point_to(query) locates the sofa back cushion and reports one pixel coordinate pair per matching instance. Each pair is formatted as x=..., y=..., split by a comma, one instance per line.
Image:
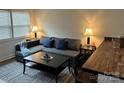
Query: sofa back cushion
x=61, y=44
x=73, y=44
x=32, y=43
x=42, y=40
x=29, y=44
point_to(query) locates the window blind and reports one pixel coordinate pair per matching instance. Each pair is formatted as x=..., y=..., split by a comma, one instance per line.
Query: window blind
x=5, y=25
x=21, y=23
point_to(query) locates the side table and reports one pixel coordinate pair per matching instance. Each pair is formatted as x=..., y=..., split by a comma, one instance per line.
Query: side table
x=87, y=49
x=81, y=75
x=85, y=52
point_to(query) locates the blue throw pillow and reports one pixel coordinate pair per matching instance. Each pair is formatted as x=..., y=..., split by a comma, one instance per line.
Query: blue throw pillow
x=25, y=51
x=23, y=44
x=61, y=44
x=47, y=42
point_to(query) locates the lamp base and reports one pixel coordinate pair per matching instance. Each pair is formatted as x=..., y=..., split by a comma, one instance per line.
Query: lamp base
x=88, y=40
x=88, y=45
x=35, y=34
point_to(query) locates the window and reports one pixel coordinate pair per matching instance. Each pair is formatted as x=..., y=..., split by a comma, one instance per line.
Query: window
x=5, y=25
x=21, y=23
x=14, y=24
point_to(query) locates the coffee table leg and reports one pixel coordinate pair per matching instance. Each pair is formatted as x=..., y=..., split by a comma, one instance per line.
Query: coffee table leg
x=69, y=65
x=75, y=71
x=56, y=78
x=24, y=67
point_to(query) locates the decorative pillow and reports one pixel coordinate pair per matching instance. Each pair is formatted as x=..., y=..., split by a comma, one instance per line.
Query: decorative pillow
x=25, y=51
x=42, y=40
x=23, y=44
x=23, y=47
x=54, y=41
x=73, y=44
x=60, y=44
x=48, y=42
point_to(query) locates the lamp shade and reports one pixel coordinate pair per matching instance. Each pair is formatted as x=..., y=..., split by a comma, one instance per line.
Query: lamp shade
x=34, y=28
x=88, y=32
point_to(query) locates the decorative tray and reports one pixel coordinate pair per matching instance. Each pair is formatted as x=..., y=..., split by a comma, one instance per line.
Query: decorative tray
x=47, y=58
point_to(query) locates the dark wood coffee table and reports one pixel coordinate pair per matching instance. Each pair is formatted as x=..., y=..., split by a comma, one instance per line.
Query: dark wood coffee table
x=55, y=66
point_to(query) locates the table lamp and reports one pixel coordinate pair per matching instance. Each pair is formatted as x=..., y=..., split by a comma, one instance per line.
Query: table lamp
x=88, y=33
x=34, y=29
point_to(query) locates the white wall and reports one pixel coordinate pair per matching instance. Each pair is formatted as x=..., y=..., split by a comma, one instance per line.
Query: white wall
x=58, y=23
x=7, y=48
x=72, y=23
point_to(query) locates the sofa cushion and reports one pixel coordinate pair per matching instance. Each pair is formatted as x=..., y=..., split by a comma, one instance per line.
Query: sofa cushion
x=46, y=41
x=23, y=44
x=73, y=44
x=69, y=53
x=42, y=40
x=54, y=41
x=25, y=52
x=61, y=44
x=32, y=43
x=36, y=48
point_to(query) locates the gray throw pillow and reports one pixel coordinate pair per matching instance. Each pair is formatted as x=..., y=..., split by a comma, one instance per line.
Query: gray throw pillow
x=25, y=51
x=23, y=44
x=23, y=47
x=61, y=44
x=43, y=39
x=55, y=39
x=73, y=44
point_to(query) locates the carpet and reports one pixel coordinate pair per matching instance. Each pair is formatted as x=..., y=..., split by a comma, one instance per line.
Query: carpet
x=11, y=72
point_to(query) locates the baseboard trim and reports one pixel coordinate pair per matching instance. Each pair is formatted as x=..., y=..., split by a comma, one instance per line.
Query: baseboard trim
x=7, y=57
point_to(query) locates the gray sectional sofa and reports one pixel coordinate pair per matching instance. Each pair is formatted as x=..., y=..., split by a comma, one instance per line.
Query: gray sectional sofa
x=72, y=47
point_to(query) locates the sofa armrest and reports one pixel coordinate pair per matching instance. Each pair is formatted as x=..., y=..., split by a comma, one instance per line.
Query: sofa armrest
x=17, y=47
x=18, y=53
x=19, y=56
